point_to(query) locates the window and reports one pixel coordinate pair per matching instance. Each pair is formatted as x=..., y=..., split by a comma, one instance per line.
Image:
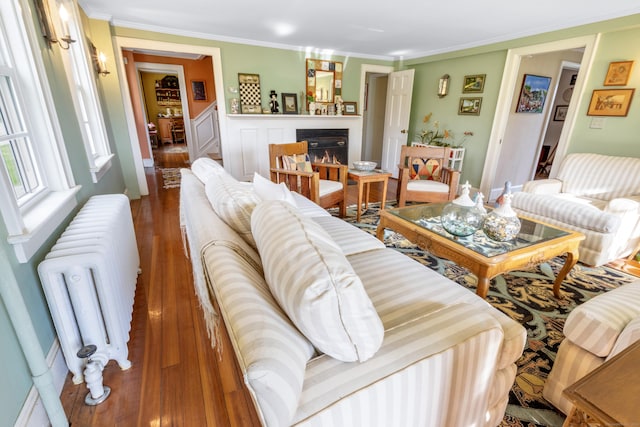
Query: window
x=81, y=75
x=37, y=191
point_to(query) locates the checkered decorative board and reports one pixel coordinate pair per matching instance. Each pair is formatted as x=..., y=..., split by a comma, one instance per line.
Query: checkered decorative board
x=249, y=89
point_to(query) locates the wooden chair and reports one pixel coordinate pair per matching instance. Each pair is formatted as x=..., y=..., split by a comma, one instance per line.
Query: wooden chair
x=323, y=183
x=424, y=176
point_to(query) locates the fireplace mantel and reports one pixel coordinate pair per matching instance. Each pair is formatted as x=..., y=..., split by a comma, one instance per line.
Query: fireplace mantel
x=245, y=148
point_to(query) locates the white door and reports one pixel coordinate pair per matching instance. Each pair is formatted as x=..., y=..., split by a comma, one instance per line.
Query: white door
x=396, y=118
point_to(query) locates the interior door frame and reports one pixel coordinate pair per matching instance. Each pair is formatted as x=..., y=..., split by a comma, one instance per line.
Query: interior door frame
x=364, y=69
x=133, y=43
x=151, y=67
x=507, y=92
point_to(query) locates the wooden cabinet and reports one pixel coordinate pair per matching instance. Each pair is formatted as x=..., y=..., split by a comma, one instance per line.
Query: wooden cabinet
x=165, y=127
x=168, y=97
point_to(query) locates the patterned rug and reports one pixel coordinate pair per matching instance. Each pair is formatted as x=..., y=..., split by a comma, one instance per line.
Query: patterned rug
x=527, y=297
x=170, y=177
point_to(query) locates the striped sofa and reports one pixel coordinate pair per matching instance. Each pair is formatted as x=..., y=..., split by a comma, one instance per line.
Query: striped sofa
x=594, y=194
x=447, y=357
x=595, y=332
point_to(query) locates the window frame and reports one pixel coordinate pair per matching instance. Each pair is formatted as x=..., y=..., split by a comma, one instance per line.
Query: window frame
x=84, y=92
x=30, y=225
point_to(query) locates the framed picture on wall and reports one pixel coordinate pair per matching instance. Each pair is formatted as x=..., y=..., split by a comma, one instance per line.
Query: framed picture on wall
x=533, y=94
x=618, y=73
x=610, y=102
x=474, y=83
x=198, y=90
x=561, y=113
x=470, y=106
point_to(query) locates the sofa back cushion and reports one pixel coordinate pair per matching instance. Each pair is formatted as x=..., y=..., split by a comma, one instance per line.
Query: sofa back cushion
x=233, y=201
x=314, y=283
x=204, y=167
x=600, y=177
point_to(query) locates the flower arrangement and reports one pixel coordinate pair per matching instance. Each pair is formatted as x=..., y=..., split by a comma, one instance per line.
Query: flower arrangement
x=440, y=137
x=310, y=97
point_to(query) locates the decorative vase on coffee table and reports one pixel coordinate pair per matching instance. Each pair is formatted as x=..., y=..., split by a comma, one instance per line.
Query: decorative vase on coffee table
x=502, y=223
x=461, y=217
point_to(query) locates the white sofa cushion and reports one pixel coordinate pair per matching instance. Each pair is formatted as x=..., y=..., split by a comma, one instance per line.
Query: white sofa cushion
x=204, y=167
x=599, y=176
x=233, y=201
x=314, y=283
x=576, y=212
x=596, y=324
x=268, y=190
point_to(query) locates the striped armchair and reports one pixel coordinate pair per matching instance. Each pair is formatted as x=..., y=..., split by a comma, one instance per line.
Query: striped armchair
x=594, y=194
x=595, y=332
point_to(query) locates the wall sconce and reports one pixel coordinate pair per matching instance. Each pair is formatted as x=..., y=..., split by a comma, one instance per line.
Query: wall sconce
x=47, y=28
x=102, y=64
x=443, y=86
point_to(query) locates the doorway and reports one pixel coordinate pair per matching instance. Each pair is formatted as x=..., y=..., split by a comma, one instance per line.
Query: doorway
x=214, y=130
x=507, y=158
x=373, y=98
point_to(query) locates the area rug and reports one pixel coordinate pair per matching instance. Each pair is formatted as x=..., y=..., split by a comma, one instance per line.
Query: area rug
x=176, y=149
x=527, y=297
x=170, y=177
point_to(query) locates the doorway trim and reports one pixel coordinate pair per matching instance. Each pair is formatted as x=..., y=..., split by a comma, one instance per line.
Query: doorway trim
x=133, y=43
x=507, y=92
x=152, y=67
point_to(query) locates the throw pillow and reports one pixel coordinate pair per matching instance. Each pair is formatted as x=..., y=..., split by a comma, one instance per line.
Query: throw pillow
x=300, y=162
x=233, y=201
x=425, y=169
x=314, y=283
x=268, y=190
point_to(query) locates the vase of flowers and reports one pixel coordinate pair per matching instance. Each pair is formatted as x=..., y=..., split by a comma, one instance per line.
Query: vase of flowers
x=435, y=135
x=311, y=102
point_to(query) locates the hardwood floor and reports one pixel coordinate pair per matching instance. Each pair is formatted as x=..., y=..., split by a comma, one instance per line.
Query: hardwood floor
x=176, y=378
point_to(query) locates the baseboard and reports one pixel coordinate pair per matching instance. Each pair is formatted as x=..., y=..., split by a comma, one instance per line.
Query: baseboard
x=33, y=413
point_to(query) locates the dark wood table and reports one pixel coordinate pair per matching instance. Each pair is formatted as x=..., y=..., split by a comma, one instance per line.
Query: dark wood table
x=610, y=394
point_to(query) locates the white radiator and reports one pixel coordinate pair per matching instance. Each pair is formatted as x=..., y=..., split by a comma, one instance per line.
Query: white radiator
x=89, y=279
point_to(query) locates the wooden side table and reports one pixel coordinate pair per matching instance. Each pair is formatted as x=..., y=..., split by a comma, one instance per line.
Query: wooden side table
x=363, y=179
x=608, y=395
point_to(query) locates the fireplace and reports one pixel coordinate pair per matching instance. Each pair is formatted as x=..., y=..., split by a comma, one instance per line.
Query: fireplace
x=326, y=145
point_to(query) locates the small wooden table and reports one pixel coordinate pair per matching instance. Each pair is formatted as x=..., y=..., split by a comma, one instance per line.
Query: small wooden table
x=364, y=178
x=537, y=242
x=608, y=395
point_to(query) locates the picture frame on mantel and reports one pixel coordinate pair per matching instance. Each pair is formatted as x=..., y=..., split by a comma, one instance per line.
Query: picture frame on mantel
x=289, y=103
x=350, y=108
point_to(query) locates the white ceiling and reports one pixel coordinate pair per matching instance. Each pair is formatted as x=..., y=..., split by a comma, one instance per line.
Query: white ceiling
x=395, y=29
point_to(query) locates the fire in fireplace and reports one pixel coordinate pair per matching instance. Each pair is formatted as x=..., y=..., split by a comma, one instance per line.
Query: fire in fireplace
x=326, y=145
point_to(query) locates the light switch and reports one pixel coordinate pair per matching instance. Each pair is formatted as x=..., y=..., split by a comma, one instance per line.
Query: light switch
x=597, y=123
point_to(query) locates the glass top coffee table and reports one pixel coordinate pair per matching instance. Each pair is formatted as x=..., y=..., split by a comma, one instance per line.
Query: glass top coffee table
x=486, y=258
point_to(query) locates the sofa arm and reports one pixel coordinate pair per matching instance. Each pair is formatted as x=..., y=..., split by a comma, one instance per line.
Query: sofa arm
x=543, y=186
x=445, y=356
x=624, y=206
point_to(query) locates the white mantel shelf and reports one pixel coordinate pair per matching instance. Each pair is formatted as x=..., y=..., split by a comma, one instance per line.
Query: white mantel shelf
x=247, y=146
x=292, y=116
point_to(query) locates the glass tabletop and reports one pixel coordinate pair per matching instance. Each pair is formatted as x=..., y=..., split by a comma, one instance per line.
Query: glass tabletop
x=428, y=216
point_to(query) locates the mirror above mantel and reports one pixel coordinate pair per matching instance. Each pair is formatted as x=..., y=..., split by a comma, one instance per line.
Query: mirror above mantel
x=324, y=80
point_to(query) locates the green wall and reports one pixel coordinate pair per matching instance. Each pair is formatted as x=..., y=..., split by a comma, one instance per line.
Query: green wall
x=619, y=135
x=283, y=71
x=15, y=377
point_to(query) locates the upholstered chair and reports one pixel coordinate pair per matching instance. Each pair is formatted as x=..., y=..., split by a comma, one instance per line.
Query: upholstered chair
x=323, y=183
x=424, y=176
